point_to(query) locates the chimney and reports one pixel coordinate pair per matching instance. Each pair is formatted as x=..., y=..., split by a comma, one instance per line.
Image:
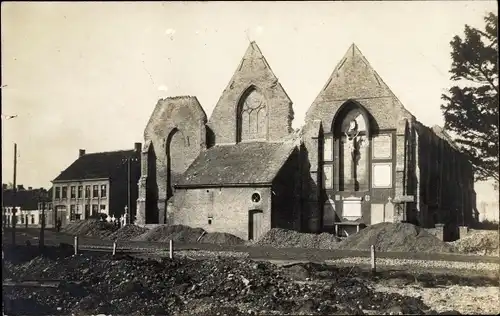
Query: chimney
x=137, y=147
x=30, y=188
x=20, y=187
x=81, y=153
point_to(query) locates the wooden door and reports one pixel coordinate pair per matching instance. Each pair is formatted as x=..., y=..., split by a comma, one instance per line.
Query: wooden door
x=255, y=224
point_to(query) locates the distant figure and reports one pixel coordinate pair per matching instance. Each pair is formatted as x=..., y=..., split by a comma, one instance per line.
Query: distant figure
x=58, y=225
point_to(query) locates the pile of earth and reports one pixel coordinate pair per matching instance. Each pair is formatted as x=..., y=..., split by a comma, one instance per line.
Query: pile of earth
x=132, y=286
x=397, y=237
x=90, y=228
x=186, y=234
x=221, y=239
x=128, y=232
x=478, y=242
x=283, y=238
x=165, y=233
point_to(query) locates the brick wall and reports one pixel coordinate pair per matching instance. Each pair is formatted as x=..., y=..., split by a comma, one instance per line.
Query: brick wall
x=253, y=71
x=176, y=132
x=228, y=208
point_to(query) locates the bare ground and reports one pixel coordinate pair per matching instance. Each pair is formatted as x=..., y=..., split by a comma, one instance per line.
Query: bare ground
x=469, y=300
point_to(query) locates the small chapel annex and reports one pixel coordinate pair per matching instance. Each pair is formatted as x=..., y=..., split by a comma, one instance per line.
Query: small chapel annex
x=360, y=159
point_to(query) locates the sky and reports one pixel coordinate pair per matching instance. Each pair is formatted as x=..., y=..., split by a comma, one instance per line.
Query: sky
x=88, y=74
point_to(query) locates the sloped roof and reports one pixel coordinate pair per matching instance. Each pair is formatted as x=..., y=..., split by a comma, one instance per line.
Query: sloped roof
x=441, y=133
x=96, y=165
x=240, y=164
x=25, y=199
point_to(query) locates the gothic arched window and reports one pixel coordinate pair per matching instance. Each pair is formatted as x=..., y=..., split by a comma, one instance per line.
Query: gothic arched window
x=346, y=151
x=252, y=116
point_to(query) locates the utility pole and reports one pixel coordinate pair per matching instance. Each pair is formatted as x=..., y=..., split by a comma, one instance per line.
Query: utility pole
x=41, y=243
x=127, y=219
x=14, y=217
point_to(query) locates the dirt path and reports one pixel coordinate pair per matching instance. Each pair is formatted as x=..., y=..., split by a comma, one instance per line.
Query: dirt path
x=482, y=300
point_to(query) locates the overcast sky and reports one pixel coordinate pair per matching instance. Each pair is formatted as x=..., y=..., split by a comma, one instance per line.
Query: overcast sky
x=88, y=75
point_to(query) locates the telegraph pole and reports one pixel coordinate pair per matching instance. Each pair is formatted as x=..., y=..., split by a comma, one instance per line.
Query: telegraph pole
x=127, y=218
x=14, y=204
x=41, y=243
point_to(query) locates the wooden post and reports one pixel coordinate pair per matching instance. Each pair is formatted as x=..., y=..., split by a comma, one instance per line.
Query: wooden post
x=76, y=245
x=114, y=248
x=372, y=251
x=171, y=249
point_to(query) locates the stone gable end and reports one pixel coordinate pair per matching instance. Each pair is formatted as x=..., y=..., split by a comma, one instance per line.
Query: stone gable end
x=252, y=74
x=355, y=79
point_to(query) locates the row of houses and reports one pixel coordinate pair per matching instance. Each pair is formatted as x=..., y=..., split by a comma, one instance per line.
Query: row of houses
x=95, y=183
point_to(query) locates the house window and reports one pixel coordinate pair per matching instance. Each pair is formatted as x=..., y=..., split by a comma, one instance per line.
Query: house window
x=103, y=191
x=103, y=208
x=78, y=212
x=87, y=211
x=95, y=191
x=73, y=192
x=58, y=192
x=80, y=191
x=95, y=209
x=87, y=191
x=22, y=219
x=32, y=219
x=64, y=192
x=72, y=211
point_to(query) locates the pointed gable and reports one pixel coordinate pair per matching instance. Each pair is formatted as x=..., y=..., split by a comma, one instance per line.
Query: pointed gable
x=254, y=82
x=355, y=79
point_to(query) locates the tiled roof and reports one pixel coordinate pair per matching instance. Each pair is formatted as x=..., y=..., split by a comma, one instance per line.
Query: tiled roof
x=96, y=165
x=26, y=199
x=243, y=163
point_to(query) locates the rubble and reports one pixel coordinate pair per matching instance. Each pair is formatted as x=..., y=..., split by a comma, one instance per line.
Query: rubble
x=221, y=238
x=128, y=232
x=132, y=286
x=479, y=242
x=177, y=233
x=90, y=228
x=397, y=237
x=283, y=238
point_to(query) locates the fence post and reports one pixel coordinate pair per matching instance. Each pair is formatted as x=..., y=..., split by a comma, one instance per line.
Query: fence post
x=76, y=245
x=171, y=249
x=114, y=247
x=373, y=263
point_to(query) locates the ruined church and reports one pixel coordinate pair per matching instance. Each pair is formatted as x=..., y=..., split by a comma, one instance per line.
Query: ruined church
x=361, y=158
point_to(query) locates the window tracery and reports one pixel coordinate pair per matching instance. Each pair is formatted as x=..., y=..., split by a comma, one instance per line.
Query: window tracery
x=252, y=116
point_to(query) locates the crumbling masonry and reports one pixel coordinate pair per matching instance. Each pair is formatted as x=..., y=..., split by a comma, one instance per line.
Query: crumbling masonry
x=361, y=158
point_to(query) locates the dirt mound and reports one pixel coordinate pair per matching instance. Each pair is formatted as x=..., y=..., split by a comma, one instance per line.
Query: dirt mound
x=180, y=287
x=397, y=237
x=90, y=228
x=128, y=232
x=221, y=238
x=283, y=238
x=478, y=242
x=178, y=233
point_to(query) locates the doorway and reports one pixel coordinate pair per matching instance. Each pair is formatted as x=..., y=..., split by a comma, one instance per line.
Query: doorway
x=255, y=224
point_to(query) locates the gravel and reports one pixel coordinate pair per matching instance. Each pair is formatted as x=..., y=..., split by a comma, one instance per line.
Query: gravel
x=178, y=233
x=90, y=228
x=128, y=232
x=221, y=238
x=283, y=238
x=420, y=263
x=397, y=237
x=478, y=242
x=131, y=286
